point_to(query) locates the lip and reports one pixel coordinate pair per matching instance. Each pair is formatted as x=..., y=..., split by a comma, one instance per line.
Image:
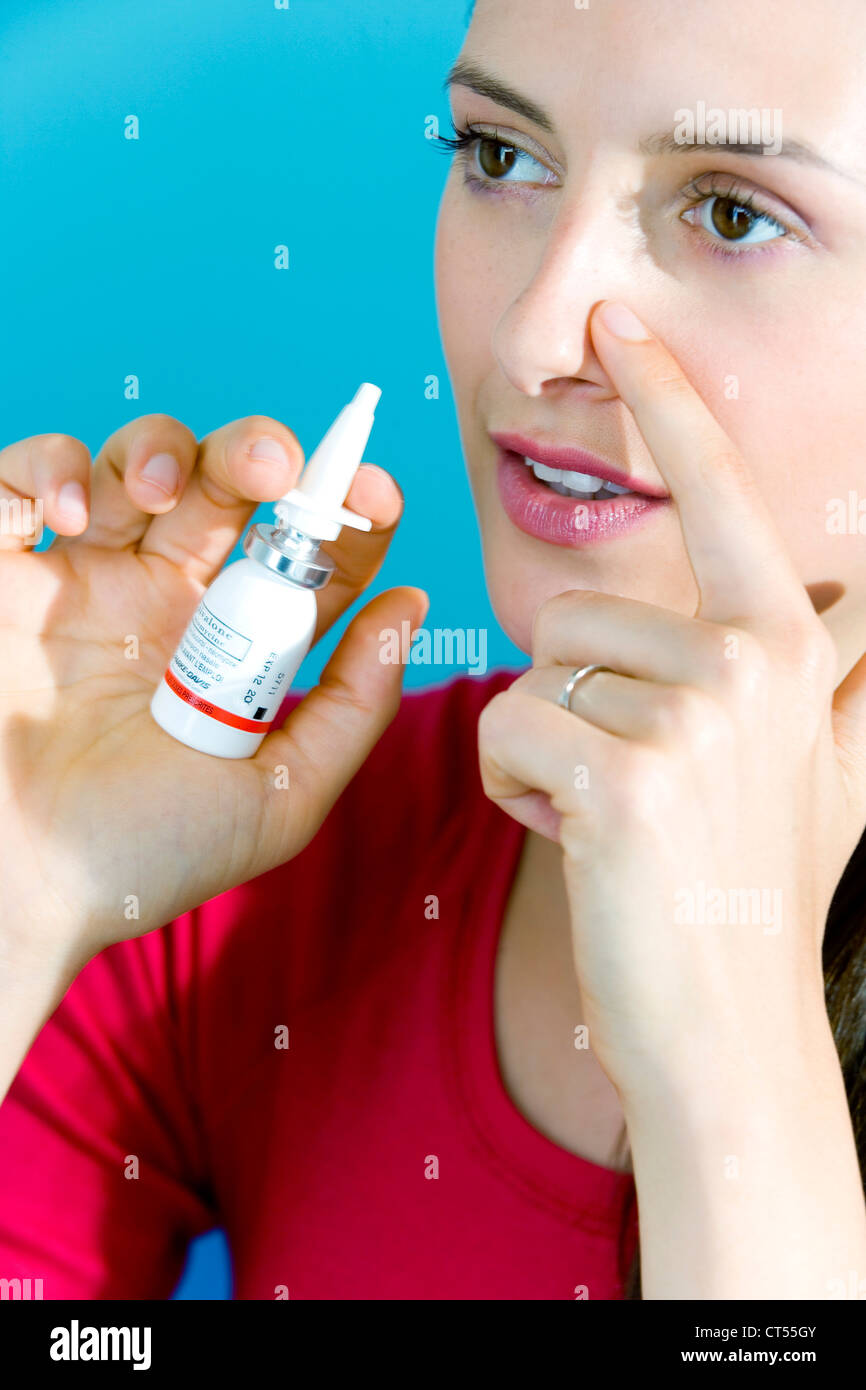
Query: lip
x=572, y=457
x=538, y=511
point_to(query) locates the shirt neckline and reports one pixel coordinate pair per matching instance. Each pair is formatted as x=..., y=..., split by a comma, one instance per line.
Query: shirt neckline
x=574, y=1188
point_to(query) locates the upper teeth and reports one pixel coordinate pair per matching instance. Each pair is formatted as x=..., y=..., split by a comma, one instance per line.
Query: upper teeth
x=568, y=481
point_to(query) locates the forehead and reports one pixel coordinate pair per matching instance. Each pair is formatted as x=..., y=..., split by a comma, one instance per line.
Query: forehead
x=624, y=65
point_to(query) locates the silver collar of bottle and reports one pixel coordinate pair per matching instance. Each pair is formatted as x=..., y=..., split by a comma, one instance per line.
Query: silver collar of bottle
x=290, y=554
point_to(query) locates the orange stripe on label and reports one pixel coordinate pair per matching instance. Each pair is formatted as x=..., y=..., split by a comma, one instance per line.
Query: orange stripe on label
x=235, y=721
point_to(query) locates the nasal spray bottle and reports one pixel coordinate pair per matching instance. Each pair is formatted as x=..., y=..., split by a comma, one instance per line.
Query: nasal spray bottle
x=254, y=624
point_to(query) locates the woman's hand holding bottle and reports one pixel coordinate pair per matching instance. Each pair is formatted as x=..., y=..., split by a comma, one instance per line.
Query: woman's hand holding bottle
x=111, y=827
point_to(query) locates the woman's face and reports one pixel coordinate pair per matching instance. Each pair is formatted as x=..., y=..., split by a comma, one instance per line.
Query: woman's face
x=750, y=266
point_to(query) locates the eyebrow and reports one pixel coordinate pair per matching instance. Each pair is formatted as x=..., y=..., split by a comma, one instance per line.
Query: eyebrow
x=664, y=142
x=486, y=84
x=466, y=73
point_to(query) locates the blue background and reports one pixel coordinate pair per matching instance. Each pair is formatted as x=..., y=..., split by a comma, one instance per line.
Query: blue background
x=155, y=256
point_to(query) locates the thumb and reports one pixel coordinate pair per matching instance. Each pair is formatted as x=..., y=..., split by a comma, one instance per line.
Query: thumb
x=849, y=725
x=330, y=734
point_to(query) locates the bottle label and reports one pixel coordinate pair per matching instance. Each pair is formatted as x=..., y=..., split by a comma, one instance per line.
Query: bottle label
x=227, y=675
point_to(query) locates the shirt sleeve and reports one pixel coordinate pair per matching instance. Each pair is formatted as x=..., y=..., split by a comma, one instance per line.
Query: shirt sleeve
x=103, y=1174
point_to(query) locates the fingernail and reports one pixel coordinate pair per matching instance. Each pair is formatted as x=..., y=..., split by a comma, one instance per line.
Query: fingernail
x=268, y=451
x=72, y=502
x=162, y=471
x=622, y=323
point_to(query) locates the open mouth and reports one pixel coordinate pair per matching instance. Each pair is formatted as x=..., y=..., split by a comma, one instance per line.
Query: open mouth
x=568, y=483
x=566, y=506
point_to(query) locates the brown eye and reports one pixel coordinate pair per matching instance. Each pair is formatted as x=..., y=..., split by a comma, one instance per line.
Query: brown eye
x=731, y=219
x=496, y=159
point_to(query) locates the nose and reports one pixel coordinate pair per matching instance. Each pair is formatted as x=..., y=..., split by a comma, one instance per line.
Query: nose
x=542, y=339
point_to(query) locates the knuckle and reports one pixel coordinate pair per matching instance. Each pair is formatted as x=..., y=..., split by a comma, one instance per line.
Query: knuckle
x=684, y=713
x=526, y=683
x=152, y=432
x=252, y=427
x=542, y=623
x=644, y=788
x=491, y=718
x=58, y=448
x=743, y=666
x=490, y=775
x=552, y=613
x=661, y=378
x=721, y=459
x=159, y=421
x=811, y=651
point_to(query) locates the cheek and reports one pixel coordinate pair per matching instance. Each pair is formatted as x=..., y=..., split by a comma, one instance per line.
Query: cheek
x=785, y=387
x=789, y=398
x=467, y=292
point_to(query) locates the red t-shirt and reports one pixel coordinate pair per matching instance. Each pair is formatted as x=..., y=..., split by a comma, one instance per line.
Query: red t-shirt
x=378, y=1155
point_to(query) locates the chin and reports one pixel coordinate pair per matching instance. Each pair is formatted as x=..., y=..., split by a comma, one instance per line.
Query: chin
x=516, y=595
x=522, y=574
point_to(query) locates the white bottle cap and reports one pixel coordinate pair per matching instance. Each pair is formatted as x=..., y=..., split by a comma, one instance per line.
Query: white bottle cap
x=315, y=505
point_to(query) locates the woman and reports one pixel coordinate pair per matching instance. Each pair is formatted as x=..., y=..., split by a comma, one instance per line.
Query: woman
x=397, y=1061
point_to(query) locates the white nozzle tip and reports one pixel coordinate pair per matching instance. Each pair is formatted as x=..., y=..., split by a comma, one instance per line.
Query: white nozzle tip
x=367, y=395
